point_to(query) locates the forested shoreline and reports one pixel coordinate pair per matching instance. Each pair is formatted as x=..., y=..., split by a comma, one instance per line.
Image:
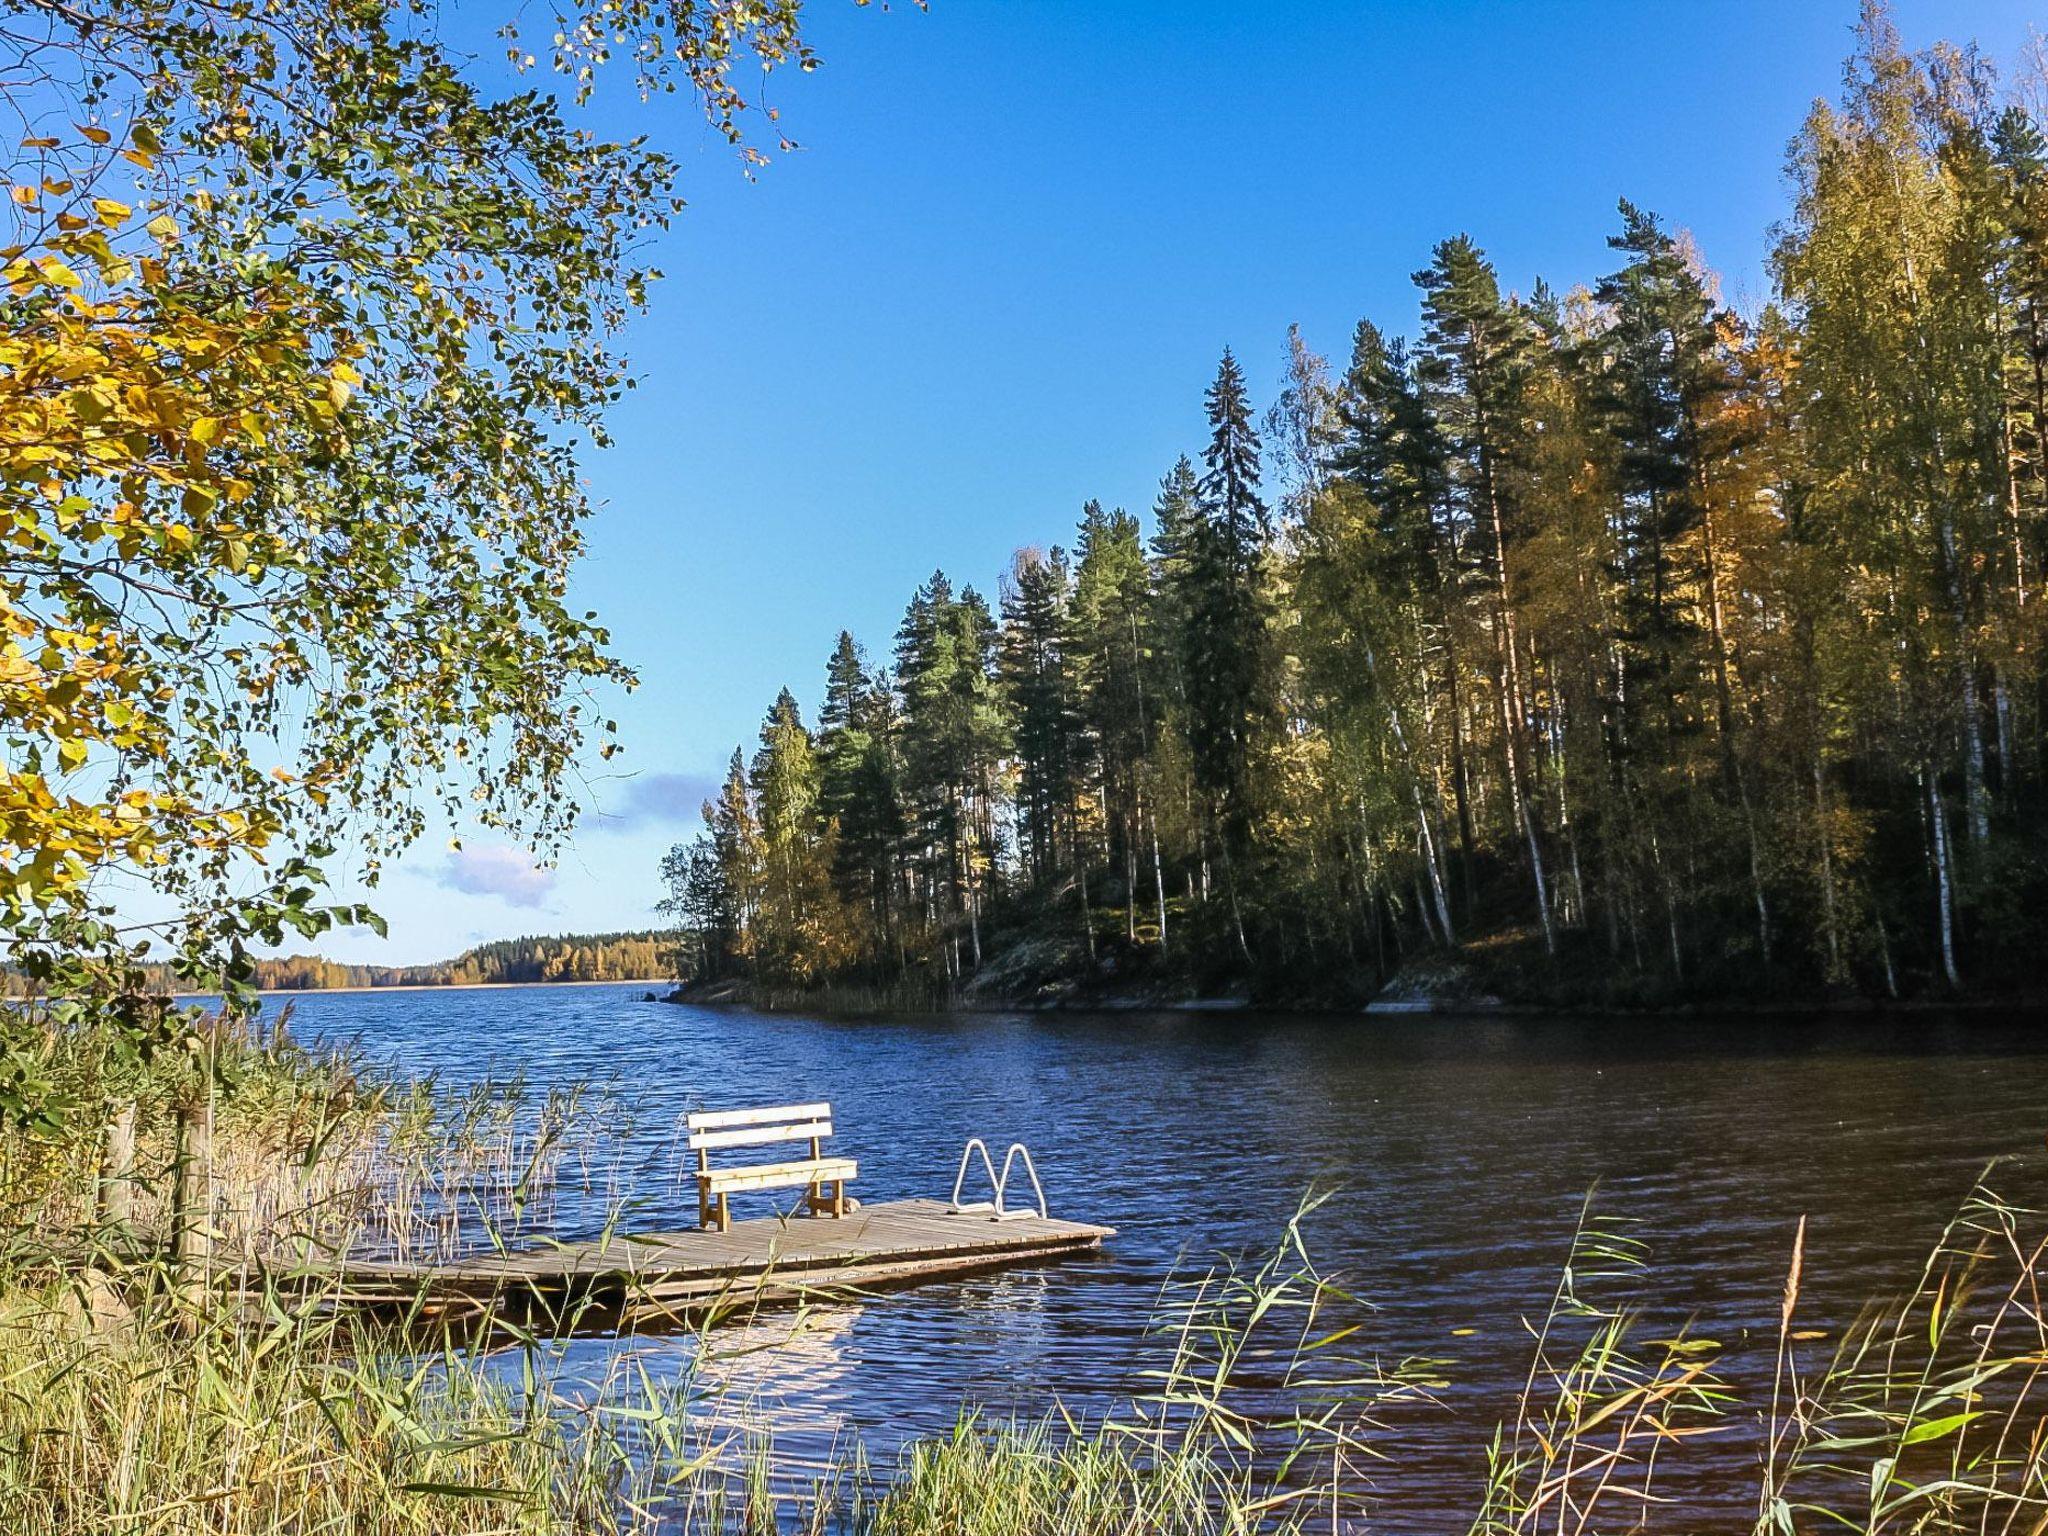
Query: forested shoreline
x=1601, y=644
x=641, y=956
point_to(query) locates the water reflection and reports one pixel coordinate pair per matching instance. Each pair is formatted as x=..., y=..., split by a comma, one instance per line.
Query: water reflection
x=783, y=1376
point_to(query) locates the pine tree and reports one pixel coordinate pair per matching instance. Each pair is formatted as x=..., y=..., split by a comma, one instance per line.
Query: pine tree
x=1039, y=682
x=954, y=733
x=795, y=928
x=858, y=795
x=1475, y=363
x=1119, y=700
x=1662, y=377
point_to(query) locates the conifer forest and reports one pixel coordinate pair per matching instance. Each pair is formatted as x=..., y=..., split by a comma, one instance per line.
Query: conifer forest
x=1601, y=642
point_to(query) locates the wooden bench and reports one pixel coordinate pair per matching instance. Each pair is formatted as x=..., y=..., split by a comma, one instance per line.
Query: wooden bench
x=716, y=1130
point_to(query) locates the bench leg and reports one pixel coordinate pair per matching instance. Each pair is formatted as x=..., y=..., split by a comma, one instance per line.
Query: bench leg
x=839, y=1197
x=724, y=1212
x=703, y=1205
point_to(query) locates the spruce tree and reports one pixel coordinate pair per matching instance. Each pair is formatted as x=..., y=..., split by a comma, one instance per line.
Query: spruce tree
x=1236, y=516
x=1661, y=378
x=1377, y=583
x=1223, y=642
x=954, y=732
x=1665, y=376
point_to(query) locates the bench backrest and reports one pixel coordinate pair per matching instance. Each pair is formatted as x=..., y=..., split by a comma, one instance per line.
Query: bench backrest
x=715, y=1129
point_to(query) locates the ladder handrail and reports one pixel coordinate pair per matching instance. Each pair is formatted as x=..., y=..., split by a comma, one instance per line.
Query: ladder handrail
x=999, y=1182
x=1018, y=1148
x=974, y=1144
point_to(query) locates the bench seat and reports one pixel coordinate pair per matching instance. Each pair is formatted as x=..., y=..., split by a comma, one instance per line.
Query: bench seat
x=823, y=1178
x=810, y=1170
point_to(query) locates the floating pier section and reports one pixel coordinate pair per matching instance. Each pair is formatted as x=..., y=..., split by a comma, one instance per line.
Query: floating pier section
x=687, y=1276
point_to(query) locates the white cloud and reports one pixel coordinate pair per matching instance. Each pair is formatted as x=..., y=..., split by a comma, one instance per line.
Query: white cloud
x=507, y=873
x=653, y=799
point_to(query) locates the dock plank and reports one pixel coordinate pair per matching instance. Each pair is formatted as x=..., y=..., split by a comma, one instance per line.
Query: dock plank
x=766, y=1259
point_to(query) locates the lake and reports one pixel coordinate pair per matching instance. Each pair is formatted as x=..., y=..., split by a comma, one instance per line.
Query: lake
x=1460, y=1151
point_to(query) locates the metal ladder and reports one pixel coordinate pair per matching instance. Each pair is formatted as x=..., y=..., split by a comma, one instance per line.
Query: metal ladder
x=995, y=1209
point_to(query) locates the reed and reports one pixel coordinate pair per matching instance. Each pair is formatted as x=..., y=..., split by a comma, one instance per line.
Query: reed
x=129, y=1408
x=1928, y=1416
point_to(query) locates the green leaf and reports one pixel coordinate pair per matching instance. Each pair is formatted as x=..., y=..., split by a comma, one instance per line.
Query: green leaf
x=1935, y=1429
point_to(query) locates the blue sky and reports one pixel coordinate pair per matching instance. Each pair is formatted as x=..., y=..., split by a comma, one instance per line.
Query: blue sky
x=998, y=275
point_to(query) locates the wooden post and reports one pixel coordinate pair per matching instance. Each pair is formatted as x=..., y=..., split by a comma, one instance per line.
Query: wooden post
x=191, y=1191
x=117, y=1170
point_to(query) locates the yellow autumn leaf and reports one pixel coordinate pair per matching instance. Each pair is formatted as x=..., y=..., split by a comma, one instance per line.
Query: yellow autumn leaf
x=55, y=271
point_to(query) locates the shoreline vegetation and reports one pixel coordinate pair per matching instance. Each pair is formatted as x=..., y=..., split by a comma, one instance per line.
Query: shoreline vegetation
x=240, y=1396
x=854, y=1000
x=1597, y=645
x=641, y=955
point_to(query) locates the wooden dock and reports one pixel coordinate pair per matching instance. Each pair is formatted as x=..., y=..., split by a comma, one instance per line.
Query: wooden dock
x=648, y=1278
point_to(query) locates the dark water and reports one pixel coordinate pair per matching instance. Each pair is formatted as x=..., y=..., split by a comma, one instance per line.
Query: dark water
x=1460, y=1149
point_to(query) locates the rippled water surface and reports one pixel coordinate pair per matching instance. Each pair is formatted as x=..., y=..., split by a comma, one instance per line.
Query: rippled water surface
x=1460, y=1150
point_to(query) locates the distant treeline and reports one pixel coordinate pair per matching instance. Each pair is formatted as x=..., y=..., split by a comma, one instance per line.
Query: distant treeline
x=1626, y=644
x=558, y=957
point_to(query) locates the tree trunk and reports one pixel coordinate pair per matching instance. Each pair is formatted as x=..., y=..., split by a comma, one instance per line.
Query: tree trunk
x=1884, y=953
x=1422, y=906
x=1724, y=705
x=1827, y=873
x=1508, y=695
x=1461, y=799
x=2001, y=717
x=1944, y=883
x=1158, y=870
x=1131, y=835
x=1230, y=889
x=1087, y=915
x=1436, y=876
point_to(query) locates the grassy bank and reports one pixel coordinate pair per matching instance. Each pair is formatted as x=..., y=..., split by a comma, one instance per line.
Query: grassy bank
x=135, y=1399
